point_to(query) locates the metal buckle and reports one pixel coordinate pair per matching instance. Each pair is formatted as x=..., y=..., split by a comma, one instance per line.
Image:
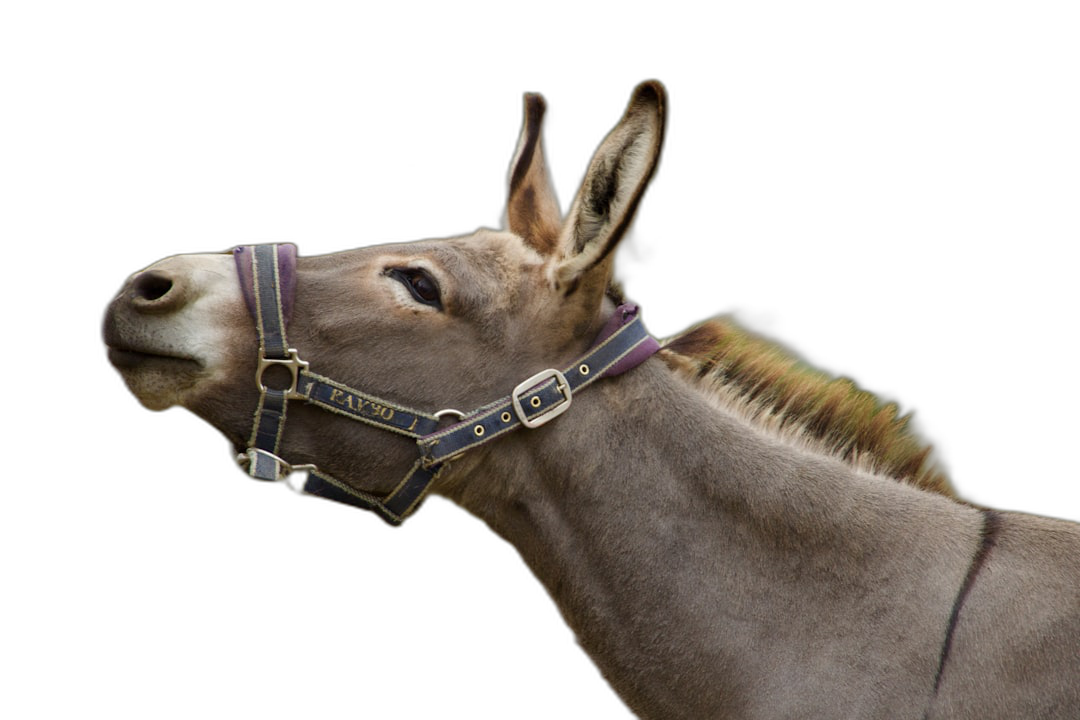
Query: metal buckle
x=293, y=364
x=552, y=412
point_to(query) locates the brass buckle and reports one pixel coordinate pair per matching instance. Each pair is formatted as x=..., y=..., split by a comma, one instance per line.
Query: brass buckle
x=552, y=412
x=293, y=364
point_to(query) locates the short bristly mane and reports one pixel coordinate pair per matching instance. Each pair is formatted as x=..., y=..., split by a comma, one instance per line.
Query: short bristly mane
x=764, y=383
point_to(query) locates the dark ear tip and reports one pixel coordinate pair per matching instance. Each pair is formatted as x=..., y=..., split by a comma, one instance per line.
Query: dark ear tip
x=534, y=106
x=650, y=93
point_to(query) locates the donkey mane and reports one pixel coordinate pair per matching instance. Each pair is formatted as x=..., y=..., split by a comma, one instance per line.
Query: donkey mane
x=767, y=385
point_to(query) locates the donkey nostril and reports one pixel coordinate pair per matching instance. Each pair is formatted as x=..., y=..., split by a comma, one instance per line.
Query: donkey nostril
x=151, y=286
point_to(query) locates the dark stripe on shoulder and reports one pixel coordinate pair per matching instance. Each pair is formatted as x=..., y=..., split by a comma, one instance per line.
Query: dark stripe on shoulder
x=991, y=527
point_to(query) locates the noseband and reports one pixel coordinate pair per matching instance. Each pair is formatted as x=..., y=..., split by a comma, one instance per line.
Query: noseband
x=268, y=278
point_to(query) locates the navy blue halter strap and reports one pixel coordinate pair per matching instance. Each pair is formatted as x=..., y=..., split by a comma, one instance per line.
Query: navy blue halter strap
x=267, y=275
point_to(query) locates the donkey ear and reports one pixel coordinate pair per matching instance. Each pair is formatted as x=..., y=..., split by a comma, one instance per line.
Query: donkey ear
x=532, y=210
x=616, y=179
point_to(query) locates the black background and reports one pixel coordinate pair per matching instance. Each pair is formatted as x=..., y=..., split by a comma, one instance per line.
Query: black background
x=882, y=205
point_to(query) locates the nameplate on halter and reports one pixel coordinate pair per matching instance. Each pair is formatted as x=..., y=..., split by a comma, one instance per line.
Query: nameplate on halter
x=343, y=400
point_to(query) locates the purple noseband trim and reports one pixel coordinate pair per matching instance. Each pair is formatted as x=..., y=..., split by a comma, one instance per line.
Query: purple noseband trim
x=286, y=254
x=624, y=314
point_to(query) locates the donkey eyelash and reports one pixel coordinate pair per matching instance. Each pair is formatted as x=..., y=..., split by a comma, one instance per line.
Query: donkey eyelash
x=420, y=284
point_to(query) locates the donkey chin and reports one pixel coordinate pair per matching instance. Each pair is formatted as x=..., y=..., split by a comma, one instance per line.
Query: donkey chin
x=169, y=329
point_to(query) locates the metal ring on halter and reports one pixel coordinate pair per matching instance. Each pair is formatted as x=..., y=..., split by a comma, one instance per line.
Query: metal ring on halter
x=293, y=364
x=247, y=462
x=449, y=411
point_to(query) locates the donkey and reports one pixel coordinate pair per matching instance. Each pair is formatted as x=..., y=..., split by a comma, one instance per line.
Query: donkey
x=729, y=533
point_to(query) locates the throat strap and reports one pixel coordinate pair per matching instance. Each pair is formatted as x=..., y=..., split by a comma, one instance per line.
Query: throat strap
x=262, y=269
x=268, y=276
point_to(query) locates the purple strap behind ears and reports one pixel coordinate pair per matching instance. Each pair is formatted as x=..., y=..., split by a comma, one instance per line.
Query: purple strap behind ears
x=624, y=314
x=286, y=254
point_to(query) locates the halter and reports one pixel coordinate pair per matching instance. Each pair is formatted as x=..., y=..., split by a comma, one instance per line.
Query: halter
x=268, y=278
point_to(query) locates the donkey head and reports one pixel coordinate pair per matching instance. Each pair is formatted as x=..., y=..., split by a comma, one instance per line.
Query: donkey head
x=450, y=323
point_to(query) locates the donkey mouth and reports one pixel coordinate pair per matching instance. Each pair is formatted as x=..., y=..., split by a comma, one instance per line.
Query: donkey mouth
x=132, y=351
x=123, y=358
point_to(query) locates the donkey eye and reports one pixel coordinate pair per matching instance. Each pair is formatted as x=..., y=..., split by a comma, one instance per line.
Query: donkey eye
x=422, y=286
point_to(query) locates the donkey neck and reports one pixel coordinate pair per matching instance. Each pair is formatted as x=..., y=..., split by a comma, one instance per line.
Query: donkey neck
x=706, y=565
